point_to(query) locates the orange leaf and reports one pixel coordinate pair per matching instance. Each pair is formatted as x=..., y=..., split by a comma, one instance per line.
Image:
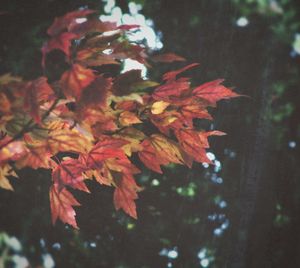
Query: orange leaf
x=128, y=118
x=107, y=148
x=70, y=173
x=61, y=203
x=191, y=143
x=5, y=171
x=124, y=196
x=75, y=80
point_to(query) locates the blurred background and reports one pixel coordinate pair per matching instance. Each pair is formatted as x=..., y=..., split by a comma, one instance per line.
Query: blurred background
x=243, y=211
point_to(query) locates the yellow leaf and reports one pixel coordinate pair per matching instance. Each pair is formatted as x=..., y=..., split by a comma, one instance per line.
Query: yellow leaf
x=159, y=106
x=167, y=149
x=6, y=171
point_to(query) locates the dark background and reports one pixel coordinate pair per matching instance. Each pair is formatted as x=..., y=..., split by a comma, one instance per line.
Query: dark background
x=260, y=164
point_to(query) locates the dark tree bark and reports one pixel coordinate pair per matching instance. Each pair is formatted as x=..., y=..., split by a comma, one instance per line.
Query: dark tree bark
x=254, y=208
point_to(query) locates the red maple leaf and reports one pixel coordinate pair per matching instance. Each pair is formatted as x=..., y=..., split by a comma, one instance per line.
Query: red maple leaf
x=75, y=80
x=213, y=91
x=61, y=42
x=70, y=173
x=62, y=203
x=62, y=23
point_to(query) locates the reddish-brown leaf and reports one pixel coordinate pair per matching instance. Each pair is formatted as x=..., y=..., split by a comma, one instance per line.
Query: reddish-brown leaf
x=94, y=57
x=62, y=23
x=105, y=149
x=213, y=91
x=37, y=92
x=61, y=42
x=75, y=80
x=91, y=26
x=96, y=93
x=204, y=135
x=174, y=88
x=172, y=75
x=167, y=57
x=62, y=203
x=124, y=82
x=128, y=118
x=191, y=143
x=128, y=27
x=124, y=196
x=70, y=173
x=150, y=158
x=37, y=156
x=126, y=50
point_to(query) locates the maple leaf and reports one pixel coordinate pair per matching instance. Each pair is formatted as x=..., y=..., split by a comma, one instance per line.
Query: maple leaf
x=122, y=165
x=37, y=92
x=11, y=150
x=167, y=149
x=37, y=156
x=148, y=155
x=69, y=172
x=62, y=23
x=134, y=138
x=61, y=204
x=204, y=135
x=96, y=93
x=5, y=104
x=75, y=80
x=104, y=149
x=125, y=194
x=129, y=105
x=159, y=150
x=167, y=57
x=128, y=118
x=94, y=57
x=194, y=110
x=123, y=83
x=67, y=140
x=172, y=75
x=159, y=106
x=61, y=42
x=127, y=27
x=175, y=88
x=125, y=50
x=213, y=91
x=5, y=171
x=192, y=144
x=90, y=26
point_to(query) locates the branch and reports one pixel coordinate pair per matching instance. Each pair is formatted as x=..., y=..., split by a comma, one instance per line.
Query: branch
x=29, y=127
